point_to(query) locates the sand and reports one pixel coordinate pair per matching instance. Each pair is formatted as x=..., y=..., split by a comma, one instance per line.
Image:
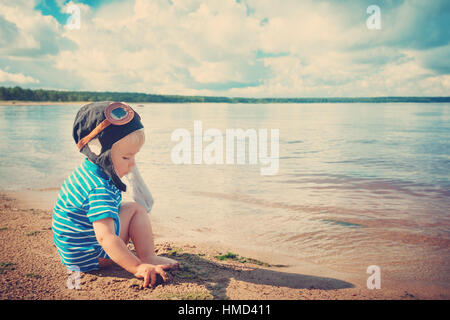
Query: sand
x=30, y=269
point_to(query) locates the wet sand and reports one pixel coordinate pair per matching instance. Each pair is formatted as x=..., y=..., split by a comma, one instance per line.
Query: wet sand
x=30, y=267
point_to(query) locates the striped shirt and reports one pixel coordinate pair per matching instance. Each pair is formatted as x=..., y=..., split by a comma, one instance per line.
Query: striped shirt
x=87, y=195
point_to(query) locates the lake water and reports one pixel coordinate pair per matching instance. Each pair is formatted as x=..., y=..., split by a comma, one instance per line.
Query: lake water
x=357, y=185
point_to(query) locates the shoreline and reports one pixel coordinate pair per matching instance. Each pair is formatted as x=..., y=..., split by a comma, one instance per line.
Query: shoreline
x=81, y=103
x=30, y=267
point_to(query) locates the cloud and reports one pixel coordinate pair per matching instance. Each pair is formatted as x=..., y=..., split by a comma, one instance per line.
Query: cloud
x=16, y=78
x=437, y=59
x=29, y=34
x=8, y=32
x=232, y=48
x=28, y=46
x=420, y=25
x=412, y=24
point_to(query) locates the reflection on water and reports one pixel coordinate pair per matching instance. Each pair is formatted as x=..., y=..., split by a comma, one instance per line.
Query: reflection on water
x=358, y=184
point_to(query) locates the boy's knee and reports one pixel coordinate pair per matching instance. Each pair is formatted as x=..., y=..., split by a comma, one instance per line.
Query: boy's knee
x=132, y=206
x=139, y=208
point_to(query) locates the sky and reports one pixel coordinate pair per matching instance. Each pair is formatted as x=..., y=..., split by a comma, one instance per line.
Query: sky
x=234, y=48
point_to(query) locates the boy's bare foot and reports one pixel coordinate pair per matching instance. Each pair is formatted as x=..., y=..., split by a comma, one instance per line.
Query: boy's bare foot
x=159, y=260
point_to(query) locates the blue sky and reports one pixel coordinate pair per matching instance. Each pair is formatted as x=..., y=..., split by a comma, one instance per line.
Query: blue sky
x=54, y=8
x=246, y=48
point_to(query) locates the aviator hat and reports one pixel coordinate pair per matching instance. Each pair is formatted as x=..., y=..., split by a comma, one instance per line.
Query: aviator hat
x=104, y=123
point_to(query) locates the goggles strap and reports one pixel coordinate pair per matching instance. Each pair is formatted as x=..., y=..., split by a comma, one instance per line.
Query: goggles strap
x=105, y=123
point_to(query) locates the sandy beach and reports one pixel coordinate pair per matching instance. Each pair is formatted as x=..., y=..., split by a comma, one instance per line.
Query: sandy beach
x=30, y=268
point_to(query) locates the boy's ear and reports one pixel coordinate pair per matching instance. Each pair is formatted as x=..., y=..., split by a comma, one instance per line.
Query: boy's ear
x=95, y=146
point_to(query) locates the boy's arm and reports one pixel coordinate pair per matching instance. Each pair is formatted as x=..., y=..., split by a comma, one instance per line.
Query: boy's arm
x=114, y=245
x=119, y=253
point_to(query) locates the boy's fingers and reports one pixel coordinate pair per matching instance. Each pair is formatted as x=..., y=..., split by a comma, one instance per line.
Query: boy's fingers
x=159, y=270
x=146, y=279
x=153, y=276
x=165, y=266
x=162, y=273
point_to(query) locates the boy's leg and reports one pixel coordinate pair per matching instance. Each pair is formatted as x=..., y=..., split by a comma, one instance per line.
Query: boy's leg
x=135, y=224
x=103, y=262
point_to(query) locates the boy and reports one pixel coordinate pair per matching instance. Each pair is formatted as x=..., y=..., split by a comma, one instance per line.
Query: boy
x=90, y=225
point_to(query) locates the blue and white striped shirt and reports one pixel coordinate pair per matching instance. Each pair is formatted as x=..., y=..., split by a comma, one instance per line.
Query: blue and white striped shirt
x=87, y=195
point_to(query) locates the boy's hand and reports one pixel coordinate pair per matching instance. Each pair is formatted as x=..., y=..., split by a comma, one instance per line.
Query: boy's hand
x=149, y=272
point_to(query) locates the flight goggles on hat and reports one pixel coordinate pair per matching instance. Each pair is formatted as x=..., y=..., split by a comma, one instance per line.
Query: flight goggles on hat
x=117, y=113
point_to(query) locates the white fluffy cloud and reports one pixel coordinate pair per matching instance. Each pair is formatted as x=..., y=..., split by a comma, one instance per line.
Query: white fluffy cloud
x=29, y=34
x=18, y=78
x=228, y=47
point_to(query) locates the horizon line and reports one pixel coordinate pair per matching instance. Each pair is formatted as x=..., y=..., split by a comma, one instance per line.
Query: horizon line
x=200, y=98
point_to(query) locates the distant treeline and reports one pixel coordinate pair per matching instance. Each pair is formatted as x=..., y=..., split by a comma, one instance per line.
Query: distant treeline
x=17, y=93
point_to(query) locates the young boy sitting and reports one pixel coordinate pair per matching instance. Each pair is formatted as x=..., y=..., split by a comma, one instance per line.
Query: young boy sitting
x=90, y=225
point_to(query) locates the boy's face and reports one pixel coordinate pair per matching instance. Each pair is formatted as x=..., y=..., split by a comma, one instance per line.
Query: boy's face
x=123, y=154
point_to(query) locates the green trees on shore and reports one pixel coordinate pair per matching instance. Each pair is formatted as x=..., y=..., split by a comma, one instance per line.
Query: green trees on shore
x=20, y=94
